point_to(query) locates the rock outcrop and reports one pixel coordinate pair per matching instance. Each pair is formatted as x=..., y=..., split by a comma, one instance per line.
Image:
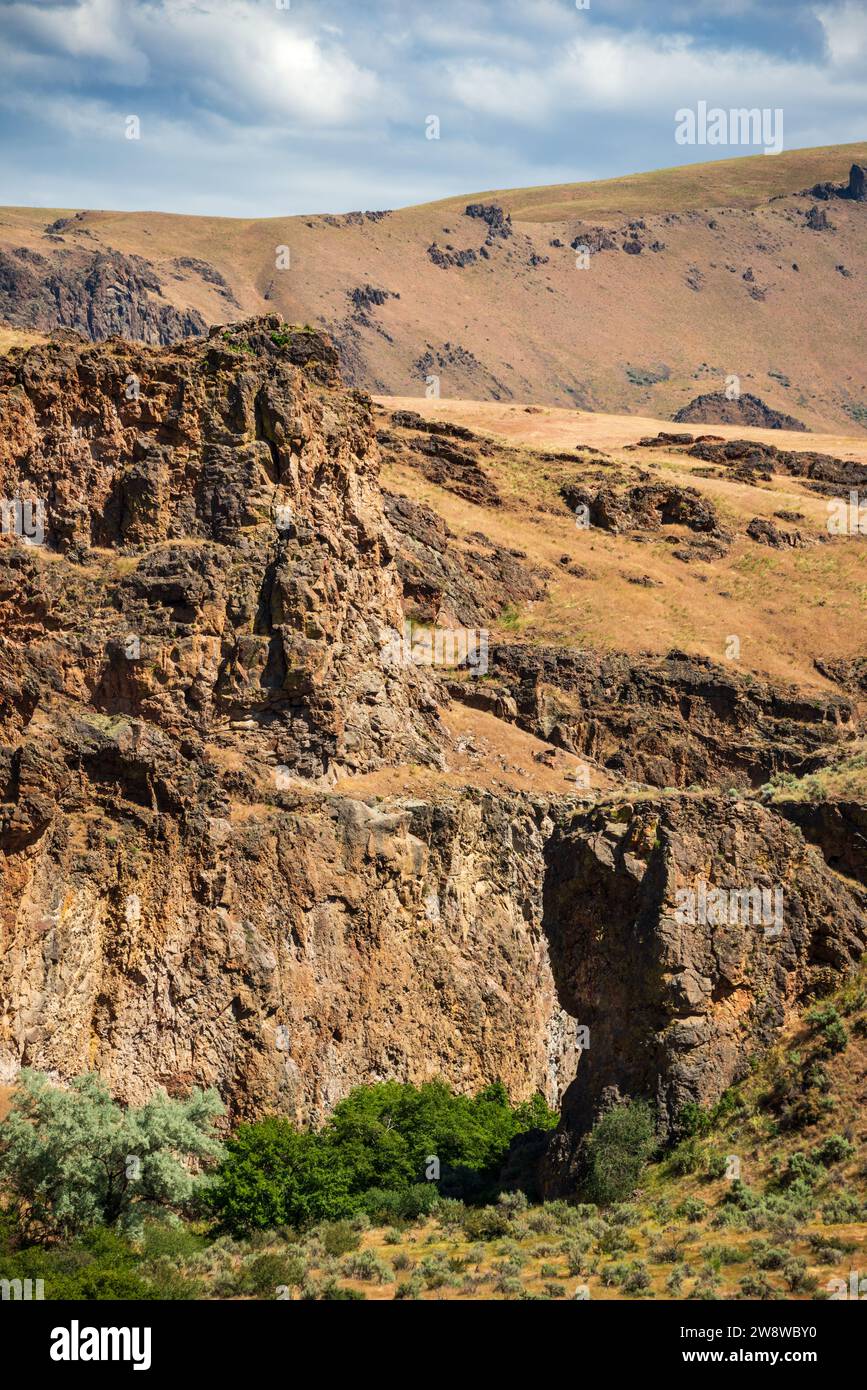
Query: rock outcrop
x=715, y=408
x=669, y=721
x=855, y=189
x=681, y=936
x=749, y=459
x=99, y=293
x=203, y=881
x=643, y=507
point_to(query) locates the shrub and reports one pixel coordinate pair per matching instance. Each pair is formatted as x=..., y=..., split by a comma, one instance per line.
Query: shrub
x=576, y=1256
x=717, y=1164
x=615, y=1240
x=693, y=1119
x=103, y=1265
x=833, y=1150
x=409, y=1288
x=825, y=1019
x=757, y=1286
x=338, y=1237
x=716, y=1256
x=434, y=1271
x=400, y=1206
x=274, y=1176
x=692, y=1209
x=332, y=1292
x=800, y=1169
x=796, y=1276
x=72, y=1158
x=667, y=1250
x=769, y=1256
x=841, y=1209
x=486, y=1223
x=266, y=1273
x=637, y=1280
x=366, y=1264
x=543, y=1222
x=617, y=1150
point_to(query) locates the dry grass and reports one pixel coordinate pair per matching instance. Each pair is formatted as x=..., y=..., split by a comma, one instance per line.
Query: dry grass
x=524, y=324
x=787, y=607
x=738, y=183
x=18, y=337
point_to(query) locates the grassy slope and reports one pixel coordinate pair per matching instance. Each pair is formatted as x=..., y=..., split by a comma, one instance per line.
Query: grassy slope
x=738, y=183
x=787, y=606
x=539, y=330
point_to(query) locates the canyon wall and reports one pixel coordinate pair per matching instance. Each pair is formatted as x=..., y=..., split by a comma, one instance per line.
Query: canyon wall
x=194, y=628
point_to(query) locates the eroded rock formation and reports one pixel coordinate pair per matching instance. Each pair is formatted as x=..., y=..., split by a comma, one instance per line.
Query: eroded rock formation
x=202, y=880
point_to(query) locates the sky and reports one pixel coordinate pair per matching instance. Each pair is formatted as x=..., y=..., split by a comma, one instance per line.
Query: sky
x=268, y=107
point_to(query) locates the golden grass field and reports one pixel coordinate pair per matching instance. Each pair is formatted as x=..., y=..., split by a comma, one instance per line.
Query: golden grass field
x=788, y=607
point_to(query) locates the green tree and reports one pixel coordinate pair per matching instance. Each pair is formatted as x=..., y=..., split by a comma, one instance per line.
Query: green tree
x=617, y=1149
x=72, y=1158
x=375, y=1149
x=274, y=1176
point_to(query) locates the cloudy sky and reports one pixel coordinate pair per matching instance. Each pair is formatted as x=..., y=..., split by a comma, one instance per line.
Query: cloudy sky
x=263, y=107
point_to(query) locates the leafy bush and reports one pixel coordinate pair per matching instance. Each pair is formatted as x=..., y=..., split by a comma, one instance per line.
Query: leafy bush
x=103, y=1265
x=617, y=1150
x=692, y=1209
x=486, y=1223
x=371, y=1156
x=769, y=1256
x=401, y=1207
x=72, y=1158
x=274, y=1176
x=265, y=1274
x=828, y=1023
x=842, y=1209
x=338, y=1237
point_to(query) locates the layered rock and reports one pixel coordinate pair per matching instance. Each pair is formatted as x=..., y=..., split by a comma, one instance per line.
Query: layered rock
x=667, y=721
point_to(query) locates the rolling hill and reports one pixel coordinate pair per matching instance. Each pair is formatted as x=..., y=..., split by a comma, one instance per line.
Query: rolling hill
x=690, y=276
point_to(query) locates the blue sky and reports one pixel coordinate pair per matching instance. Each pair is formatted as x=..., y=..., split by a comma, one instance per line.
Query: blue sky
x=263, y=107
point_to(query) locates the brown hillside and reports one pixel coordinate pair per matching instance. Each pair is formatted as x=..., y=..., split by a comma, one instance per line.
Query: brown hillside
x=693, y=274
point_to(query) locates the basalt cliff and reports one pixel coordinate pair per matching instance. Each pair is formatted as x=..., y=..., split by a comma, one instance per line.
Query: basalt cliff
x=245, y=839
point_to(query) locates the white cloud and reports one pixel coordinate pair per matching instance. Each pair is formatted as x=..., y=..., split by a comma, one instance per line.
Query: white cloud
x=245, y=107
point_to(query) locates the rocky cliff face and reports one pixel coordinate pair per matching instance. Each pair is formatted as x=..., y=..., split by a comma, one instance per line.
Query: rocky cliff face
x=203, y=882
x=190, y=658
x=99, y=294
x=665, y=721
x=682, y=933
